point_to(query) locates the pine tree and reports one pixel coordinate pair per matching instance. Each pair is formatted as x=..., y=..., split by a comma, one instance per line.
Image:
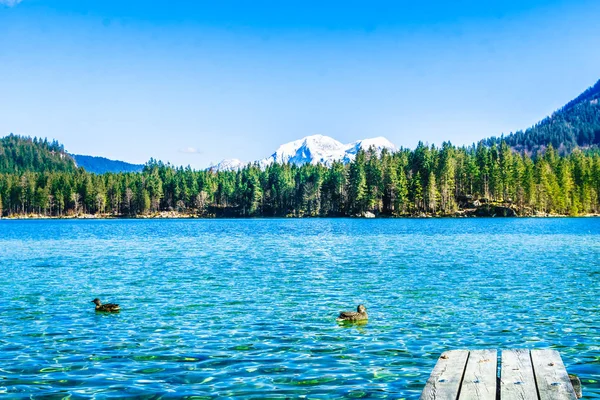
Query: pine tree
x=373, y=178
x=446, y=173
x=416, y=192
x=565, y=197
x=401, y=201
x=432, y=194
x=390, y=184
x=357, y=191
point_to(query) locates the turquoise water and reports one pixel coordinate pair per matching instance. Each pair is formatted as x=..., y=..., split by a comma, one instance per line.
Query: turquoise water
x=246, y=308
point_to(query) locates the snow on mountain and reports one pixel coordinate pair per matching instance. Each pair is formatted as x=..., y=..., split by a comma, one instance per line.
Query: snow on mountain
x=379, y=143
x=231, y=164
x=313, y=149
x=309, y=150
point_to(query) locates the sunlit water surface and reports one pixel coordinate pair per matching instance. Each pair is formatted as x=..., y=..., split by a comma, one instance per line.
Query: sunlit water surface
x=246, y=308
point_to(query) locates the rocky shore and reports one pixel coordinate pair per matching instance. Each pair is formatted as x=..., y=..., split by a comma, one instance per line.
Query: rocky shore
x=481, y=211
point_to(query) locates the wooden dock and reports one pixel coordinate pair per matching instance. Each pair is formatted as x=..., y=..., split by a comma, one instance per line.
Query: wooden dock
x=521, y=374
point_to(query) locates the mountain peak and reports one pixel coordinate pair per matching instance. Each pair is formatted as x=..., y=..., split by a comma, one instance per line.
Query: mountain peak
x=378, y=142
x=230, y=164
x=313, y=149
x=310, y=149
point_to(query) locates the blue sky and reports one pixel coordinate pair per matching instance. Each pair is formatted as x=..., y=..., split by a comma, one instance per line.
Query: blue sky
x=196, y=82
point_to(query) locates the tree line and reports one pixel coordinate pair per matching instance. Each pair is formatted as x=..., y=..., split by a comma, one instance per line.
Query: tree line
x=432, y=180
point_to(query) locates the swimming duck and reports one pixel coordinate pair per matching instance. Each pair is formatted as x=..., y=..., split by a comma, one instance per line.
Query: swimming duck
x=359, y=315
x=108, y=307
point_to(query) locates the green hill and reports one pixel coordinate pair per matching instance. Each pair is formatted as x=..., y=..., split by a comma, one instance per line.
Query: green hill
x=577, y=124
x=19, y=154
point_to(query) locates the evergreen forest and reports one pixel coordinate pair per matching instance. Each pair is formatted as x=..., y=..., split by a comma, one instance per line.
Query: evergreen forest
x=38, y=177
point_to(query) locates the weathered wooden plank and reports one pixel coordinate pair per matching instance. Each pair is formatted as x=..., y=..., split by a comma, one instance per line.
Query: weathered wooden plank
x=553, y=382
x=576, y=382
x=445, y=379
x=517, y=381
x=479, y=382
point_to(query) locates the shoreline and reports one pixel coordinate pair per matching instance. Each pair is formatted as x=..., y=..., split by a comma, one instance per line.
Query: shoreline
x=174, y=215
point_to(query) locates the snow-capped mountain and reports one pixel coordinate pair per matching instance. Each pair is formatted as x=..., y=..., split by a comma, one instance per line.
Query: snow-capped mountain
x=313, y=149
x=379, y=143
x=309, y=150
x=230, y=164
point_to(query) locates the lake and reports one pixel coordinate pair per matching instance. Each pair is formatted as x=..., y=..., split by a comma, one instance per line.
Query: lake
x=247, y=308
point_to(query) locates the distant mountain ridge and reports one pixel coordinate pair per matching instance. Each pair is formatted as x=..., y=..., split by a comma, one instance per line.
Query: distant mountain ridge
x=576, y=124
x=102, y=165
x=315, y=149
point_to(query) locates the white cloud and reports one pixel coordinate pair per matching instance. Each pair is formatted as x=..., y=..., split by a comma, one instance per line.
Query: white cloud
x=9, y=3
x=186, y=150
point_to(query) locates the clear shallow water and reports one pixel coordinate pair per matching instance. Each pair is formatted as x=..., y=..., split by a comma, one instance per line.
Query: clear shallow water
x=246, y=308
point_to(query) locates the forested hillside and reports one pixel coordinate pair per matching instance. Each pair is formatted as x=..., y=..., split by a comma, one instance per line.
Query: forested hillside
x=577, y=124
x=19, y=154
x=409, y=182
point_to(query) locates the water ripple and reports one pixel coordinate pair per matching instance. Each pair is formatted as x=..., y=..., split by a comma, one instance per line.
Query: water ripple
x=246, y=308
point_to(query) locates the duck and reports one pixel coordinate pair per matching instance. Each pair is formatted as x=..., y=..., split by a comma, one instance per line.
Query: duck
x=359, y=315
x=108, y=307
